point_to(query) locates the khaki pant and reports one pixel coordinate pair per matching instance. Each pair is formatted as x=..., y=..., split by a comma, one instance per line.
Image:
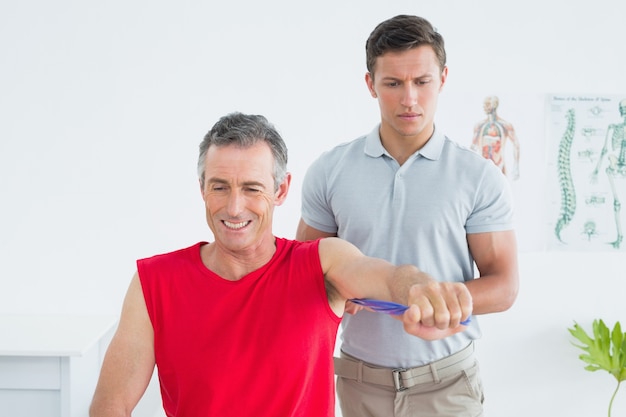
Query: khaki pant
x=454, y=392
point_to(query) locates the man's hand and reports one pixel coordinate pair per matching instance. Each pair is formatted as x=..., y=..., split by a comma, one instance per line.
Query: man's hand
x=436, y=309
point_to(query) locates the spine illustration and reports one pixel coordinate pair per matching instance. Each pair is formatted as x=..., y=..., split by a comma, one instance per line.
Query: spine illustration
x=568, y=193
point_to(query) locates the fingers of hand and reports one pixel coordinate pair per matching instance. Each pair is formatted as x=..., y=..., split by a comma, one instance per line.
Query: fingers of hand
x=440, y=304
x=455, y=305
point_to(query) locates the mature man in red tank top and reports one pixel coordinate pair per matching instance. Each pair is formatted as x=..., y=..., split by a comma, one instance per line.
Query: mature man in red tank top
x=246, y=325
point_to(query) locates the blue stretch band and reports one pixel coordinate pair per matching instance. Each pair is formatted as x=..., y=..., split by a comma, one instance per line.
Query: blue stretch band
x=389, y=307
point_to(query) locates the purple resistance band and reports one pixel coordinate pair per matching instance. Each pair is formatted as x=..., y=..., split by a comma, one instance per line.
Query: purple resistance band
x=389, y=307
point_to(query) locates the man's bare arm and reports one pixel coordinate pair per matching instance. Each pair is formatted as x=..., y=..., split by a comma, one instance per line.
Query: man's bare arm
x=495, y=255
x=435, y=308
x=129, y=362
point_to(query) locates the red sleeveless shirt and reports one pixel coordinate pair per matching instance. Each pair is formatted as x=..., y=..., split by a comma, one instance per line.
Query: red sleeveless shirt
x=259, y=346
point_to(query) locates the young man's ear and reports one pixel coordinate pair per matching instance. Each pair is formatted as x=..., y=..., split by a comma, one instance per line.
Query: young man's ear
x=444, y=77
x=369, y=80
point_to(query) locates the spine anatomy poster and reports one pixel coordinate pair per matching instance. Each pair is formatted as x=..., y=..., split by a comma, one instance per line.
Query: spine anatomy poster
x=586, y=162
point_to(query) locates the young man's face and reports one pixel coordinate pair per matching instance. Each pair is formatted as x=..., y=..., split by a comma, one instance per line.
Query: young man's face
x=407, y=85
x=239, y=195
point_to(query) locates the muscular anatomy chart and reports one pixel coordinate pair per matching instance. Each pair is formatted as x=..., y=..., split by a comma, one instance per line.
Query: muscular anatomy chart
x=587, y=172
x=491, y=136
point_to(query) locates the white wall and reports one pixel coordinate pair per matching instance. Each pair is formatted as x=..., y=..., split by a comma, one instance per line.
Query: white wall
x=103, y=104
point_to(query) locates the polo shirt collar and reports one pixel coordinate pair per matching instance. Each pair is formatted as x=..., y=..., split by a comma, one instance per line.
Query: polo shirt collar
x=432, y=150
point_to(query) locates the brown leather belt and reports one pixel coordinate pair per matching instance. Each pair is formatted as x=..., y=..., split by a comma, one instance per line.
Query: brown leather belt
x=405, y=378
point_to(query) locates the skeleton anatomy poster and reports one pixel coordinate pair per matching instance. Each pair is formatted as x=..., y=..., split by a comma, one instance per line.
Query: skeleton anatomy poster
x=586, y=161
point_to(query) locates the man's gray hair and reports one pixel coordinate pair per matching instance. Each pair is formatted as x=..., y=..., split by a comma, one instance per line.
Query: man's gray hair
x=245, y=130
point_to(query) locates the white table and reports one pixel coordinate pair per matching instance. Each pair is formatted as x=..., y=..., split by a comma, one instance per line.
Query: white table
x=49, y=365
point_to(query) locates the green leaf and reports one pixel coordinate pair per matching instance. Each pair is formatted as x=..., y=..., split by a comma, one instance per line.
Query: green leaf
x=606, y=350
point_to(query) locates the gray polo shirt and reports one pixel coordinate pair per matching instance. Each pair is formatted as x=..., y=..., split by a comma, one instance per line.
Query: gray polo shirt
x=418, y=213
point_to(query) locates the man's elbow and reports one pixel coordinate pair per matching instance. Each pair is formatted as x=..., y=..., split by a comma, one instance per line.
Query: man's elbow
x=507, y=297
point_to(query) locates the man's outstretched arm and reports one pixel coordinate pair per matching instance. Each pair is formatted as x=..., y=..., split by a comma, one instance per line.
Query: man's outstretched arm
x=436, y=309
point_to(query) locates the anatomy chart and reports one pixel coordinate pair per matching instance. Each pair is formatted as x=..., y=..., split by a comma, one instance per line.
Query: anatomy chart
x=509, y=129
x=586, y=178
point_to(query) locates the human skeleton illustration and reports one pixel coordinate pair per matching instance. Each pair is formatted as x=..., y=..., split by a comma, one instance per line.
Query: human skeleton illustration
x=491, y=134
x=616, y=170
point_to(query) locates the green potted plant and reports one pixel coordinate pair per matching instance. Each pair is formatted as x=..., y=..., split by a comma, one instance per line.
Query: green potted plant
x=605, y=350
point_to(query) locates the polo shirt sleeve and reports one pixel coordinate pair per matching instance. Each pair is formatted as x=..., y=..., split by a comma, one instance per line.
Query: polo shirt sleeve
x=493, y=206
x=316, y=210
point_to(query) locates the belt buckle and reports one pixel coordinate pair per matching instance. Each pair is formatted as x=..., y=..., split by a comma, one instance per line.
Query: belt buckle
x=397, y=379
